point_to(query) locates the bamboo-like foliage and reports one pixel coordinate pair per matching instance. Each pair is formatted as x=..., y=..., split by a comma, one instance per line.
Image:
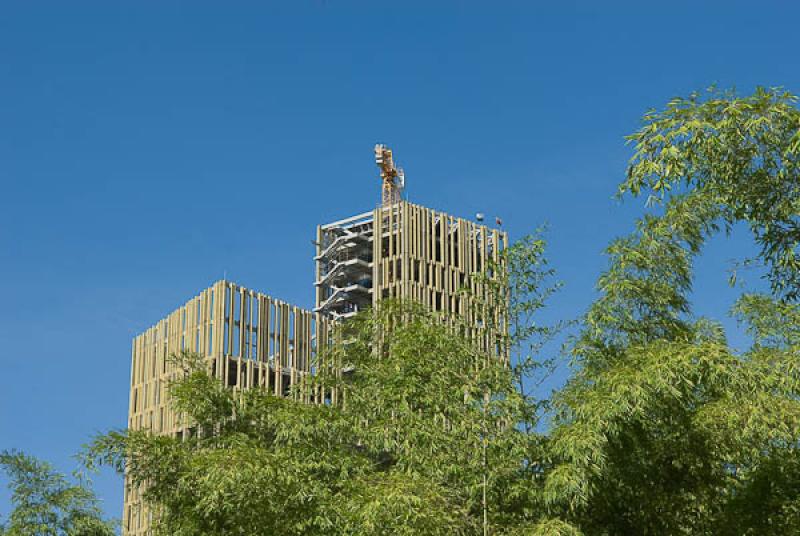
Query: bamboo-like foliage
x=401, y=437
x=662, y=427
x=46, y=503
x=396, y=456
x=718, y=159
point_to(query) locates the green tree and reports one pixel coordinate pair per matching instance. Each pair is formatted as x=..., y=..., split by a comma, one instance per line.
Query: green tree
x=432, y=436
x=45, y=503
x=718, y=159
x=663, y=428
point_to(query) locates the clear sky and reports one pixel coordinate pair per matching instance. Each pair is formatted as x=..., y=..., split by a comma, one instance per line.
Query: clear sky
x=148, y=148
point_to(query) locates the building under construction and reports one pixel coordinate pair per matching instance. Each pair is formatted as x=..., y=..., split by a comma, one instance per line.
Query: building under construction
x=250, y=340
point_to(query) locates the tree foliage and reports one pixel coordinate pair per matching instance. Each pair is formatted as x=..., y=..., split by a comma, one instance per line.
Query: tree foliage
x=432, y=435
x=400, y=456
x=661, y=428
x=664, y=428
x=725, y=159
x=45, y=503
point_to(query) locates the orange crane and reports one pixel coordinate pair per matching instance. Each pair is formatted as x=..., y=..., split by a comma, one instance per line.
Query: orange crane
x=392, y=177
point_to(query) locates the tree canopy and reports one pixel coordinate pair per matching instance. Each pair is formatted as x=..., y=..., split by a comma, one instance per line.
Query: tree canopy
x=432, y=437
x=46, y=503
x=661, y=428
x=718, y=159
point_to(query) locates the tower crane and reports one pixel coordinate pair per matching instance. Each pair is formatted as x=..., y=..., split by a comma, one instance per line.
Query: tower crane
x=392, y=177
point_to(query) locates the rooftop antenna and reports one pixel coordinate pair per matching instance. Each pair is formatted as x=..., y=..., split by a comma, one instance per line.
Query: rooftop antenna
x=393, y=179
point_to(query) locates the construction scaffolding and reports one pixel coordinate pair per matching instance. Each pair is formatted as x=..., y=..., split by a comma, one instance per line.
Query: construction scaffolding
x=344, y=266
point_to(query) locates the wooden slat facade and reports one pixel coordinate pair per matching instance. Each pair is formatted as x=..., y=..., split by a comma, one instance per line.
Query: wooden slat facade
x=248, y=339
x=428, y=256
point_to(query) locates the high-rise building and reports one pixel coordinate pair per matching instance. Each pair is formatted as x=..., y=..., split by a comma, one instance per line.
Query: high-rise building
x=249, y=340
x=403, y=251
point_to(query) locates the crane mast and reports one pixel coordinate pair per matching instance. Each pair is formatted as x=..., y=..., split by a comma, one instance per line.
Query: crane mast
x=392, y=177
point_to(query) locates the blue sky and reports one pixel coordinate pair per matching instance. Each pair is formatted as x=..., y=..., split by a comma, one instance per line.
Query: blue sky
x=147, y=148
